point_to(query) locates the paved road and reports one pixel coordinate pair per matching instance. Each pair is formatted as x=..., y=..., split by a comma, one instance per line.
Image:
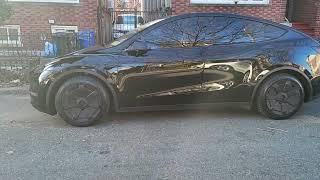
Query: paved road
x=219, y=144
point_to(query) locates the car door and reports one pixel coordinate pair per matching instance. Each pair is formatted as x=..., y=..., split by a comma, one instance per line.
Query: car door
x=231, y=56
x=162, y=67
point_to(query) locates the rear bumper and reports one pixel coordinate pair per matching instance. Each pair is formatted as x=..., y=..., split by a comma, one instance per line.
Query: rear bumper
x=316, y=87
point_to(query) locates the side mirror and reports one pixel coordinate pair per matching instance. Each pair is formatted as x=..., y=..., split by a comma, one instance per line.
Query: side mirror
x=138, y=48
x=138, y=45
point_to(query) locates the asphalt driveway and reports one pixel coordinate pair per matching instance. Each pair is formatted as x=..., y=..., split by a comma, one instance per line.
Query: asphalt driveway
x=229, y=143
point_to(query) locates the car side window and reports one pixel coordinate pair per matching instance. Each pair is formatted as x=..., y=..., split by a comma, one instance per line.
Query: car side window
x=187, y=32
x=206, y=31
x=237, y=30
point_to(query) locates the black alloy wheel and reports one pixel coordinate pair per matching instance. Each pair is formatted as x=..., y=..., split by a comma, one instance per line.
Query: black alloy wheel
x=280, y=96
x=81, y=101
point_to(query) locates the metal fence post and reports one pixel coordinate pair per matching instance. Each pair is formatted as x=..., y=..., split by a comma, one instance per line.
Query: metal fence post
x=135, y=18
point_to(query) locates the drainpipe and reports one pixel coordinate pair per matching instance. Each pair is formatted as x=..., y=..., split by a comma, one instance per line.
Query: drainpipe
x=290, y=10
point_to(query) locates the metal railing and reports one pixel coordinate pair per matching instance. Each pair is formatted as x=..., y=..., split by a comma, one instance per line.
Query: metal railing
x=44, y=45
x=21, y=53
x=125, y=20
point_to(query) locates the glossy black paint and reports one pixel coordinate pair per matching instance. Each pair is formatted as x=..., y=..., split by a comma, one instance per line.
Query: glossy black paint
x=210, y=58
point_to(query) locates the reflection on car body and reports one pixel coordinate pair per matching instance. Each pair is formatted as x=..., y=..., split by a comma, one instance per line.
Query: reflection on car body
x=184, y=61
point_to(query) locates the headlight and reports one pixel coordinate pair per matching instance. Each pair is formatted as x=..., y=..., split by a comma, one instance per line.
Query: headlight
x=47, y=72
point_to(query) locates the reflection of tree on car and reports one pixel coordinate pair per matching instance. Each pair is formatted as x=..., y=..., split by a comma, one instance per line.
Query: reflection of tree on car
x=179, y=61
x=228, y=74
x=215, y=30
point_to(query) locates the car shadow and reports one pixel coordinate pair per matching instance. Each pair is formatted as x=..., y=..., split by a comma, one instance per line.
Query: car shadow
x=231, y=113
x=235, y=113
x=311, y=108
x=223, y=113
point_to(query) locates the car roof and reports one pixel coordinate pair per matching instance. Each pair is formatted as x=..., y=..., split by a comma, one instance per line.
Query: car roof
x=239, y=16
x=194, y=14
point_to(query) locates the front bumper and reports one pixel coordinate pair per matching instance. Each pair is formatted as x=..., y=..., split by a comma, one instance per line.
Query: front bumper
x=38, y=94
x=36, y=102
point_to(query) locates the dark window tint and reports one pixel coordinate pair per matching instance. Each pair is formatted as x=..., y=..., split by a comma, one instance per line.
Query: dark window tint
x=247, y=31
x=206, y=31
x=186, y=32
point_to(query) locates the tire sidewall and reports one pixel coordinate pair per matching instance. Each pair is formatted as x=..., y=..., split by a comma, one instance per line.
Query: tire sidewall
x=262, y=102
x=85, y=80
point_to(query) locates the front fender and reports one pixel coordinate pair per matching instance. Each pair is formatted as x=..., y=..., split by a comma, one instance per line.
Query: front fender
x=58, y=79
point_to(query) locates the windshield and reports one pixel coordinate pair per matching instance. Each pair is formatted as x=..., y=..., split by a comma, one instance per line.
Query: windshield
x=133, y=32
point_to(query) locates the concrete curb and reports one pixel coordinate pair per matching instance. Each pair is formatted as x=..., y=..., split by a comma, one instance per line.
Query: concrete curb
x=20, y=90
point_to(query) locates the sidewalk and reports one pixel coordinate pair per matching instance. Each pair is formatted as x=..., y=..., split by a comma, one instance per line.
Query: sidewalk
x=19, y=90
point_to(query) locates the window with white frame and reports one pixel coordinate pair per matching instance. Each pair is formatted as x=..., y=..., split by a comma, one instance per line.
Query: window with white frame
x=48, y=1
x=10, y=35
x=229, y=1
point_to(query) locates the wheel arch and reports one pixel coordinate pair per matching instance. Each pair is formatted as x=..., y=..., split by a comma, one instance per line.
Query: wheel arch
x=301, y=76
x=56, y=84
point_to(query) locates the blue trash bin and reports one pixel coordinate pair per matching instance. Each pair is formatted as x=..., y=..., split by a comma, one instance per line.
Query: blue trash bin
x=86, y=38
x=50, y=49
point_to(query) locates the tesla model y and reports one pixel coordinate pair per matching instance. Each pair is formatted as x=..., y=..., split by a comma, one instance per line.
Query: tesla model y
x=186, y=61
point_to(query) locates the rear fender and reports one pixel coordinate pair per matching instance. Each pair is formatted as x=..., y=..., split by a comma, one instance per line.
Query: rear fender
x=302, y=76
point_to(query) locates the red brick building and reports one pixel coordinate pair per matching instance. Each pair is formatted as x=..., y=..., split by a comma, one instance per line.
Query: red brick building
x=303, y=14
x=131, y=4
x=50, y=16
x=306, y=12
x=269, y=9
x=31, y=18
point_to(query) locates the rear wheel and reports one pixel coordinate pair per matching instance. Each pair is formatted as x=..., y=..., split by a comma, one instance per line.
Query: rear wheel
x=81, y=101
x=280, y=96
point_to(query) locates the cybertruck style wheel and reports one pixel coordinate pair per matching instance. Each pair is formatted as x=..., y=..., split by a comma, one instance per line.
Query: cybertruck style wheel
x=280, y=96
x=81, y=101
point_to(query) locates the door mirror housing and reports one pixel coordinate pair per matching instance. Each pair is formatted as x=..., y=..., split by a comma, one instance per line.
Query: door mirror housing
x=138, y=48
x=138, y=45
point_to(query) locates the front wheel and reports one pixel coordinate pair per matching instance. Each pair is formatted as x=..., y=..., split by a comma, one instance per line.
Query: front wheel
x=280, y=96
x=81, y=101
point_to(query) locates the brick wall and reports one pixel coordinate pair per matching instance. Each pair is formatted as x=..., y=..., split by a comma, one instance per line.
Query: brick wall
x=275, y=11
x=304, y=11
x=33, y=17
x=316, y=24
x=308, y=11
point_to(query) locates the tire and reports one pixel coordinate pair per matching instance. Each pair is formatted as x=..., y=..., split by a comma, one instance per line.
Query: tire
x=81, y=101
x=280, y=96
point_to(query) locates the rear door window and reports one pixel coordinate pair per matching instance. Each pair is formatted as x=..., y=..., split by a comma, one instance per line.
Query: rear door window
x=236, y=30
